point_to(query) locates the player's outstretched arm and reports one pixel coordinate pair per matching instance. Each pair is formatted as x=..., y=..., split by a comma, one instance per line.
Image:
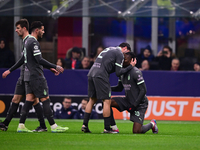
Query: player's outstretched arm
x=14, y=67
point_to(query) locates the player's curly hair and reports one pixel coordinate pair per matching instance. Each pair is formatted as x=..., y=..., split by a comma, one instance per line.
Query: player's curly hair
x=35, y=25
x=132, y=54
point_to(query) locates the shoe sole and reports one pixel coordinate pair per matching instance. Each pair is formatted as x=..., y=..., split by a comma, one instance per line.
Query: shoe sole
x=24, y=132
x=85, y=130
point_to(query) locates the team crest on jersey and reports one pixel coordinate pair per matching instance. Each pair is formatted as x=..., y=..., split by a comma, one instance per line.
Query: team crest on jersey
x=35, y=47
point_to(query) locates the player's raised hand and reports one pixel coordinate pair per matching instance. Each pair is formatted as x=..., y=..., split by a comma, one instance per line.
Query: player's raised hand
x=5, y=73
x=59, y=69
x=55, y=71
x=133, y=62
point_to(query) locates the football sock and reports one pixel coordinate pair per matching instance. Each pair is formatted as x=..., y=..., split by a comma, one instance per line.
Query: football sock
x=112, y=120
x=48, y=112
x=39, y=112
x=21, y=126
x=54, y=126
x=86, y=119
x=146, y=127
x=25, y=110
x=106, y=123
x=11, y=113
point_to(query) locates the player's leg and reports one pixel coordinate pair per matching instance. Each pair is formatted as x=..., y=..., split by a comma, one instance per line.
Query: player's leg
x=106, y=114
x=48, y=113
x=18, y=95
x=30, y=98
x=138, y=117
x=40, y=115
x=92, y=101
x=11, y=112
x=42, y=92
x=112, y=120
x=87, y=114
x=139, y=128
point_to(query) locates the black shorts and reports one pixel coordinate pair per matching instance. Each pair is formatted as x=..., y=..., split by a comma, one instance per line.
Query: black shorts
x=138, y=115
x=98, y=88
x=38, y=87
x=20, y=87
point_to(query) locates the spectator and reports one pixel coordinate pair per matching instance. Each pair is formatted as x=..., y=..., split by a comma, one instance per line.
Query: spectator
x=197, y=66
x=145, y=65
x=73, y=58
x=85, y=63
x=98, y=51
x=7, y=58
x=164, y=58
x=81, y=111
x=146, y=54
x=175, y=64
x=61, y=62
x=67, y=111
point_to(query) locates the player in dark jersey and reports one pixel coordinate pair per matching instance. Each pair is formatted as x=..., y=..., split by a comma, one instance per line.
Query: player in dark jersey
x=22, y=27
x=108, y=61
x=36, y=84
x=135, y=100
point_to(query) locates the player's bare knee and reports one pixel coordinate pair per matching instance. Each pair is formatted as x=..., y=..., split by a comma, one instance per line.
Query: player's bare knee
x=16, y=99
x=136, y=131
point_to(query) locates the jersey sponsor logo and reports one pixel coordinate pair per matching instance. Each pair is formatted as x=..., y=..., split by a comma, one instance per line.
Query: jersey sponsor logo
x=97, y=65
x=127, y=86
x=35, y=47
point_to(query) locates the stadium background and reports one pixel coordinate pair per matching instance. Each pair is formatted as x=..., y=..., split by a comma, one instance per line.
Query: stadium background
x=178, y=92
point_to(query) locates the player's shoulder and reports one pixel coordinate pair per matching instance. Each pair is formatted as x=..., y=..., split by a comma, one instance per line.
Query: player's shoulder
x=32, y=40
x=135, y=70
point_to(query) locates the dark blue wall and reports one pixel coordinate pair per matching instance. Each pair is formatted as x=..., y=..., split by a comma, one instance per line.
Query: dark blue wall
x=74, y=82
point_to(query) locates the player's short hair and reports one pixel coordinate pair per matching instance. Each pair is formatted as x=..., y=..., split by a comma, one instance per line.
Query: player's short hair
x=23, y=23
x=35, y=25
x=132, y=54
x=125, y=45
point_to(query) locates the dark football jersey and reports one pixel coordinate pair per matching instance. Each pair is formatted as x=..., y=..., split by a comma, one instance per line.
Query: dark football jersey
x=108, y=61
x=131, y=81
x=33, y=59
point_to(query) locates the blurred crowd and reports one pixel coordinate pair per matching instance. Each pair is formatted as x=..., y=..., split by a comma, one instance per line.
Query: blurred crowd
x=164, y=60
x=146, y=60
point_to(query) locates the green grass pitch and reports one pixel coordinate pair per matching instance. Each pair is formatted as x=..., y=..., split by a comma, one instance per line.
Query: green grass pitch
x=173, y=135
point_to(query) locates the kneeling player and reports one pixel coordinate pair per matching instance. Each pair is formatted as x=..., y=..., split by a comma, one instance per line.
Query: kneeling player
x=135, y=100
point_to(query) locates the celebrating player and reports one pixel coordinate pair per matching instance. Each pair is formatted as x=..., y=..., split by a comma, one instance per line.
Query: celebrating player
x=108, y=61
x=135, y=100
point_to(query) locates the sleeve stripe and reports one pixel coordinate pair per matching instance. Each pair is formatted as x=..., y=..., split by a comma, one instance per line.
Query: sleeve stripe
x=37, y=54
x=140, y=82
x=36, y=51
x=118, y=65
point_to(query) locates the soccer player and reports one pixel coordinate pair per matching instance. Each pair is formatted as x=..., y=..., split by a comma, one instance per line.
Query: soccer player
x=108, y=61
x=36, y=85
x=135, y=100
x=22, y=27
